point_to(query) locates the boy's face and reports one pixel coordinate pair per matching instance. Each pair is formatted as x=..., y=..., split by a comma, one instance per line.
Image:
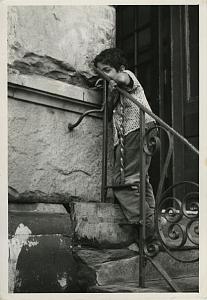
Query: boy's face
x=108, y=70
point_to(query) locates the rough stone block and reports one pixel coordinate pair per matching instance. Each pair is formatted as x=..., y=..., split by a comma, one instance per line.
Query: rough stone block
x=41, y=223
x=106, y=266
x=57, y=88
x=43, y=154
x=39, y=218
x=188, y=284
x=98, y=225
x=122, y=265
x=44, y=40
x=31, y=197
x=41, y=264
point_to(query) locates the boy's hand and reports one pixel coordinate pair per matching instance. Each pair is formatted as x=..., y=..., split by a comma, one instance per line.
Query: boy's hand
x=112, y=85
x=122, y=79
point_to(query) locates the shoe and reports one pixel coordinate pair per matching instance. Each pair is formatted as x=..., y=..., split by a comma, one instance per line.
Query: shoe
x=134, y=247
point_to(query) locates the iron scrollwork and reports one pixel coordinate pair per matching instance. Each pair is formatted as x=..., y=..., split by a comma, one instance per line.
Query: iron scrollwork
x=176, y=211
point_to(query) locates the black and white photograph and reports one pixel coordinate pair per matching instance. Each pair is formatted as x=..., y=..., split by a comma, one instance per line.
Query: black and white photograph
x=103, y=135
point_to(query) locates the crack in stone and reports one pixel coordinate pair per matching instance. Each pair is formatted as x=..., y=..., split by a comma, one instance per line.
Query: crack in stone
x=37, y=196
x=45, y=65
x=56, y=18
x=64, y=172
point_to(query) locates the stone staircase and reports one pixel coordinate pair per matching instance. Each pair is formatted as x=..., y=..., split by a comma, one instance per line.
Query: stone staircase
x=117, y=270
x=83, y=249
x=106, y=263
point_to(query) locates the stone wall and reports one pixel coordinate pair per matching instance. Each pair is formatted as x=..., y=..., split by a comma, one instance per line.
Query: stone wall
x=51, y=82
x=59, y=41
x=55, y=42
x=45, y=156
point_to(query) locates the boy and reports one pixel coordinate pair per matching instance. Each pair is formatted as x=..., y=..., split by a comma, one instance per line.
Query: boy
x=126, y=118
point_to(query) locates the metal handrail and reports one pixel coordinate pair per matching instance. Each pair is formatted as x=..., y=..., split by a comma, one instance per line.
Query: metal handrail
x=89, y=112
x=146, y=110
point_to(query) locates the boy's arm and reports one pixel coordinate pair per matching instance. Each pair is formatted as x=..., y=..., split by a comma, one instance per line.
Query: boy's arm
x=122, y=79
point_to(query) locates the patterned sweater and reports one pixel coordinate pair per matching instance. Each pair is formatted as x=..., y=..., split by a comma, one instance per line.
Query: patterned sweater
x=131, y=111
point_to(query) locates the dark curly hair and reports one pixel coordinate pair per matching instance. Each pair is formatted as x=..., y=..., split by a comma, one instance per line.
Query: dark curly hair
x=113, y=57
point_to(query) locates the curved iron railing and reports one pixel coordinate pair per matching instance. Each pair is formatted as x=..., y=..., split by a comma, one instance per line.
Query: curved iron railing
x=176, y=214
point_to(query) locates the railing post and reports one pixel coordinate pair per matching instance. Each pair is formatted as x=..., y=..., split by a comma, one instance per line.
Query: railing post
x=105, y=144
x=142, y=202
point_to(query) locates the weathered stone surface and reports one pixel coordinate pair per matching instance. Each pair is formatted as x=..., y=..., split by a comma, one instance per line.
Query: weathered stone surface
x=175, y=268
x=47, y=66
x=90, y=261
x=98, y=225
x=97, y=257
x=41, y=223
x=45, y=39
x=188, y=284
x=44, y=156
x=112, y=266
x=37, y=208
x=54, y=87
x=42, y=263
x=39, y=196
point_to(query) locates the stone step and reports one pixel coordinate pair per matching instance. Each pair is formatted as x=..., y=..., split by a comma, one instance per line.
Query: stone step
x=39, y=229
x=188, y=284
x=107, y=266
x=98, y=225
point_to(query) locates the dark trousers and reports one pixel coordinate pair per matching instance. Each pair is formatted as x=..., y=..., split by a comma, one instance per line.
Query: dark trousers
x=129, y=197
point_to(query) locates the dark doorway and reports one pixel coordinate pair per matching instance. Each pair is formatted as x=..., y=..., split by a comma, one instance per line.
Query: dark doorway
x=161, y=44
